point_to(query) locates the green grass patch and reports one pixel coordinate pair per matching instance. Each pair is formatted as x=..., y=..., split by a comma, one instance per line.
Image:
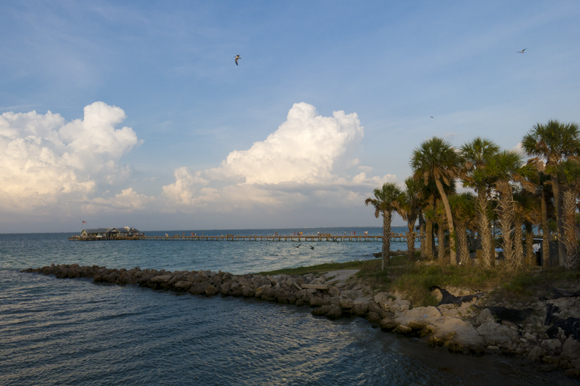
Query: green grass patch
x=319, y=268
x=414, y=278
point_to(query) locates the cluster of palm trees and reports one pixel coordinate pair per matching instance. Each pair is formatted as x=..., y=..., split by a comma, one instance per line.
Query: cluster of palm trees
x=510, y=197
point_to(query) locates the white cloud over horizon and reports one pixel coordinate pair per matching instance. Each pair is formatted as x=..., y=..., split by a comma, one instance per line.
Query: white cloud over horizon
x=54, y=169
x=48, y=162
x=309, y=157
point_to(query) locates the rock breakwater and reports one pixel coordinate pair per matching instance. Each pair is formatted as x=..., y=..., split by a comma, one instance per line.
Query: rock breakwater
x=470, y=325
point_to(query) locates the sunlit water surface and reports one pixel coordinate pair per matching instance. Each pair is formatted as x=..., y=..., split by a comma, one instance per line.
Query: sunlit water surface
x=75, y=332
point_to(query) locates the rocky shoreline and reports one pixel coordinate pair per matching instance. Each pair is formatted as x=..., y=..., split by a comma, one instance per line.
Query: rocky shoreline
x=546, y=331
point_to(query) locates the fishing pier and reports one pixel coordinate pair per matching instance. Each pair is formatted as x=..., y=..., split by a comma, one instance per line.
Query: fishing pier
x=293, y=238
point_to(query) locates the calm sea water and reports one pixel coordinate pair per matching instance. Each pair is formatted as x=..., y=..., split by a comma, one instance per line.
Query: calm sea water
x=75, y=332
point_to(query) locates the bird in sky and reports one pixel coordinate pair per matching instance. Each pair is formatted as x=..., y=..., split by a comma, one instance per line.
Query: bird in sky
x=237, y=57
x=431, y=116
x=522, y=51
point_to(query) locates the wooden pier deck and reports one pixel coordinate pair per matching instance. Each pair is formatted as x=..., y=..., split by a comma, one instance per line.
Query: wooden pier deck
x=293, y=238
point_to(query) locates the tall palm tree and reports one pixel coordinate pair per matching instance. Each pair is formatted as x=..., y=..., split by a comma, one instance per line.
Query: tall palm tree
x=409, y=206
x=440, y=220
x=553, y=143
x=463, y=208
x=570, y=175
x=476, y=155
x=537, y=182
x=502, y=167
x=384, y=203
x=438, y=160
x=528, y=211
x=524, y=205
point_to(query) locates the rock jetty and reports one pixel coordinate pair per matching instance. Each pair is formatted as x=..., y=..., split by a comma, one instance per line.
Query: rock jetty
x=546, y=331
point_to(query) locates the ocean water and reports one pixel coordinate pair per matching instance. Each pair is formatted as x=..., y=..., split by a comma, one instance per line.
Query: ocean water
x=76, y=332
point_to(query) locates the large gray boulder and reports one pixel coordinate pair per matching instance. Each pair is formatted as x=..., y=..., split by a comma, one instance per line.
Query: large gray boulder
x=536, y=354
x=496, y=334
x=571, y=349
x=552, y=344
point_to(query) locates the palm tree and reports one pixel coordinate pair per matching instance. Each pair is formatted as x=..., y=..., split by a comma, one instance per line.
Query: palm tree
x=528, y=211
x=536, y=182
x=440, y=220
x=553, y=143
x=524, y=205
x=384, y=203
x=463, y=208
x=476, y=155
x=409, y=206
x=570, y=175
x=438, y=160
x=502, y=167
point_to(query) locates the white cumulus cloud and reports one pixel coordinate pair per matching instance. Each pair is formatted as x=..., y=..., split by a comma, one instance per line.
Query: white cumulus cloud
x=307, y=158
x=46, y=160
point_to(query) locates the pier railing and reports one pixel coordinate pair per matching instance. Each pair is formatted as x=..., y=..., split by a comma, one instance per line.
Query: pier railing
x=294, y=238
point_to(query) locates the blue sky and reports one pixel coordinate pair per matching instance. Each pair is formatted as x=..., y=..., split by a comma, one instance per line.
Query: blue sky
x=152, y=124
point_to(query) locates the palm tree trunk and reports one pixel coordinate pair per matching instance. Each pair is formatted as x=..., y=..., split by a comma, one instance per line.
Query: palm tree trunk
x=518, y=241
x=530, y=258
x=506, y=216
x=441, y=243
x=558, y=204
x=462, y=247
x=429, y=238
x=386, y=238
x=452, y=249
x=422, y=235
x=488, y=252
x=570, y=241
x=545, y=232
x=411, y=238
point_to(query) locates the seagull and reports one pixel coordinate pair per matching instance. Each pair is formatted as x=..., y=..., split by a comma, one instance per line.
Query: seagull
x=431, y=116
x=311, y=247
x=522, y=51
x=298, y=246
x=237, y=57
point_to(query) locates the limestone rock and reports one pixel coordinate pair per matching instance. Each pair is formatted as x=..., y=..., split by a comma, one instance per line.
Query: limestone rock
x=260, y=290
x=346, y=304
x=360, y=309
x=383, y=300
x=536, y=354
x=460, y=331
x=571, y=349
x=335, y=311
x=419, y=316
x=387, y=324
x=333, y=291
x=210, y=290
x=373, y=317
x=183, y=285
x=318, y=301
x=248, y=291
x=552, y=344
x=402, y=329
x=161, y=279
x=374, y=307
x=484, y=316
x=496, y=334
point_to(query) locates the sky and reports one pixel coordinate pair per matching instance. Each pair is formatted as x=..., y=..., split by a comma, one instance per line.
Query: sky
x=134, y=113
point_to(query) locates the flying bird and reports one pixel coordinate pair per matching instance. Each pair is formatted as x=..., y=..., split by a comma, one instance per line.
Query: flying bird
x=431, y=116
x=237, y=57
x=298, y=246
x=522, y=51
x=311, y=247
